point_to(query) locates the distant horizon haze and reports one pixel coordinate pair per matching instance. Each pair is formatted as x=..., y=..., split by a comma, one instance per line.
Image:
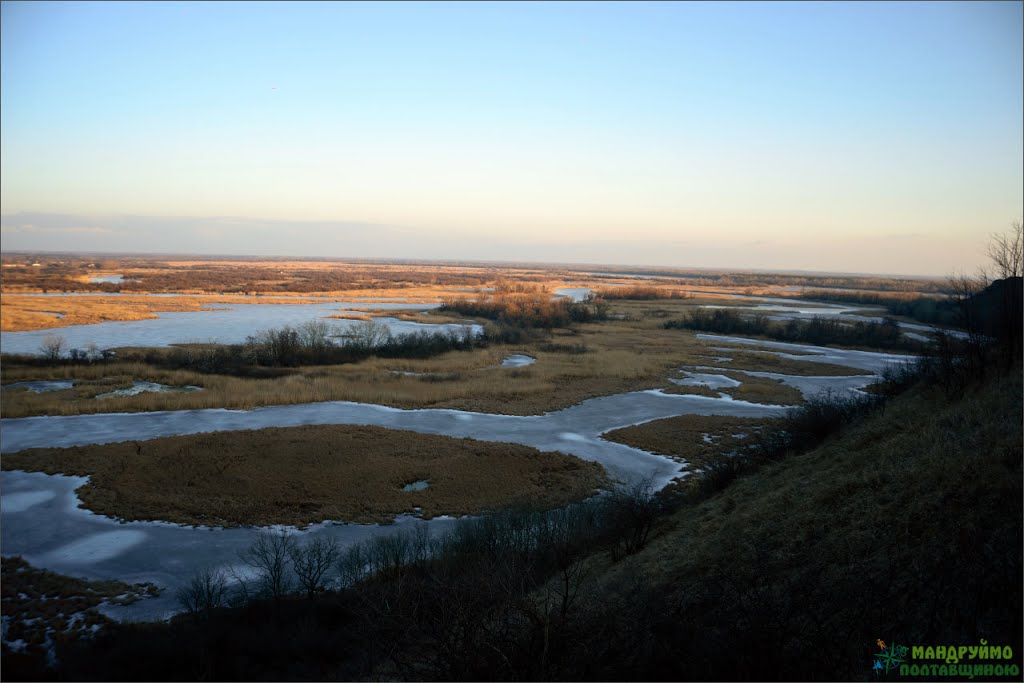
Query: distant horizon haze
x=248, y=238
x=826, y=136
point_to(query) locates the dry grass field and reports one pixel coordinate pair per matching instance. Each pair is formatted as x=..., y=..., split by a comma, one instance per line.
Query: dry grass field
x=195, y=282
x=624, y=354
x=26, y=312
x=304, y=475
x=752, y=389
x=23, y=312
x=695, y=439
x=698, y=440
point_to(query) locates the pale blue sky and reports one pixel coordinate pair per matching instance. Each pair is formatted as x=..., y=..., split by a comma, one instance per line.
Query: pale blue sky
x=863, y=137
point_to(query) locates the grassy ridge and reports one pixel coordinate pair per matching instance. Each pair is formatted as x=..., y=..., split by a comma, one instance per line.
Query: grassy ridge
x=794, y=571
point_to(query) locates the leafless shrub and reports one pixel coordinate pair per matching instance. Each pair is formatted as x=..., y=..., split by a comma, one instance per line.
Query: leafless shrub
x=315, y=335
x=270, y=556
x=369, y=334
x=52, y=346
x=354, y=565
x=312, y=561
x=1006, y=251
x=632, y=509
x=206, y=591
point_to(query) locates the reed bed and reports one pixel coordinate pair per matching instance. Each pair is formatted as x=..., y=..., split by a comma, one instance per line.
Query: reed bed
x=23, y=312
x=753, y=389
x=304, y=475
x=695, y=439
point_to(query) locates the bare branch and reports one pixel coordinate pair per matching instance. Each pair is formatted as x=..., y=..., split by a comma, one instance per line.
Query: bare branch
x=1007, y=252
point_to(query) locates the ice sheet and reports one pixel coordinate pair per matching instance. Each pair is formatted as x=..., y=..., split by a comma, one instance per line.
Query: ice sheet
x=224, y=323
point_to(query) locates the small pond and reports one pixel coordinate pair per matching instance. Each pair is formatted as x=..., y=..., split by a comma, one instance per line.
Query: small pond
x=517, y=361
x=40, y=387
x=140, y=387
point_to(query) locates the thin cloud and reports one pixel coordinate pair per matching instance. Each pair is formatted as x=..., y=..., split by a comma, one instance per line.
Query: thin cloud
x=29, y=228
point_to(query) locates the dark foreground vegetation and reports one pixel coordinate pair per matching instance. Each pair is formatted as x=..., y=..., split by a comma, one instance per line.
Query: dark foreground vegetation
x=818, y=331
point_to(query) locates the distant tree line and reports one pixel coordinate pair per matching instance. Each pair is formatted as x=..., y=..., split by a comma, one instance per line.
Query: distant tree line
x=818, y=330
x=531, y=311
x=733, y=279
x=59, y=276
x=311, y=343
x=927, y=309
x=641, y=293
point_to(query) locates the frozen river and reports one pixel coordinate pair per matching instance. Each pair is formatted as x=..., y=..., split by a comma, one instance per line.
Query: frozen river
x=223, y=323
x=40, y=518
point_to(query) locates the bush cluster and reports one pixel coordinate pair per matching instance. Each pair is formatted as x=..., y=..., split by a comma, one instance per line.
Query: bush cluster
x=926, y=309
x=642, y=293
x=817, y=330
x=529, y=311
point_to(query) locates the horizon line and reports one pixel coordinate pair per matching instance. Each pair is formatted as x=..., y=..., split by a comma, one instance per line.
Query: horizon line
x=608, y=267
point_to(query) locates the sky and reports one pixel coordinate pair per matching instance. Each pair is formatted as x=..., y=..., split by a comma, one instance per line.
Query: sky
x=850, y=137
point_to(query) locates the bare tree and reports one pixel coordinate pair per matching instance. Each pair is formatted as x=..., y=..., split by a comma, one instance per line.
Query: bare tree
x=206, y=591
x=270, y=556
x=354, y=564
x=52, y=346
x=92, y=352
x=311, y=561
x=315, y=335
x=1006, y=252
x=632, y=508
x=369, y=334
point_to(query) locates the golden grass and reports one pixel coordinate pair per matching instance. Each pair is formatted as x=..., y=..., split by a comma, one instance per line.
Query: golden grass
x=746, y=358
x=26, y=312
x=682, y=438
x=22, y=312
x=621, y=356
x=765, y=390
x=752, y=389
x=303, y=475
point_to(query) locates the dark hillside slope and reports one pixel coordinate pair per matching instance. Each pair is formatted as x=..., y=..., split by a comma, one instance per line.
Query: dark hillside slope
x=907, y=528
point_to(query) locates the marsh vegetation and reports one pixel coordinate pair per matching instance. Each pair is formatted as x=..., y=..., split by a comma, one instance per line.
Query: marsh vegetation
x=742, y=556
x=305, y=475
